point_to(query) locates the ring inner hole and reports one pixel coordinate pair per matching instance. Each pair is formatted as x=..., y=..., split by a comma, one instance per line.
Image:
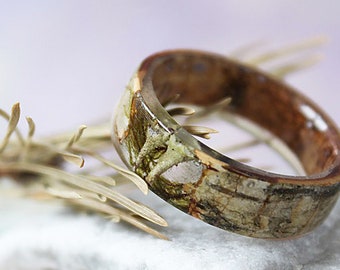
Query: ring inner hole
x=204, y=80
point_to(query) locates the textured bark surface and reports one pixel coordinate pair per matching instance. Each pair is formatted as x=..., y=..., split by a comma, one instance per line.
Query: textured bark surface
x=228, y=195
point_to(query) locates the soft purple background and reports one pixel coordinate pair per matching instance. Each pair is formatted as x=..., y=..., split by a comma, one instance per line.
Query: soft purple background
x=68, y=62
x=74, y=58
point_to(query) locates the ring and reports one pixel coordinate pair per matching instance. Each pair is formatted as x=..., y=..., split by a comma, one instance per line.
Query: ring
x=208, y=185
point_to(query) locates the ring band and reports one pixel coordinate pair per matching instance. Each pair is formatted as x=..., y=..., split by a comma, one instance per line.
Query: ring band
x=208, y=185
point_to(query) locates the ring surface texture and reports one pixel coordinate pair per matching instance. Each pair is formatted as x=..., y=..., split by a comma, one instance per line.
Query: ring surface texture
x=208, y=185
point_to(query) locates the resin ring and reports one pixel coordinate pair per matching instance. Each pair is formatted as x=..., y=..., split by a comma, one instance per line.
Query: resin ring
x=208, y=185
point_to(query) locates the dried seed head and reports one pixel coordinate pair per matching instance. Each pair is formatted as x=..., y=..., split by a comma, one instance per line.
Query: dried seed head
x=181, y=111
x=299, y=64
x=74, y=159
x=12, y=125
x=75, y=138
x=203, y=132
x=31, y=127
x=287, y=51
x=72, y=187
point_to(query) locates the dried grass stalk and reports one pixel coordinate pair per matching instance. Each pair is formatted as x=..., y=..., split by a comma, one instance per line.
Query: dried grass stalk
x=86, y=190
x=44, y=159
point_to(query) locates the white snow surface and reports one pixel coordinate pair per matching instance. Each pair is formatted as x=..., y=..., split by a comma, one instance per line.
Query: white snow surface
x=35, y=235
